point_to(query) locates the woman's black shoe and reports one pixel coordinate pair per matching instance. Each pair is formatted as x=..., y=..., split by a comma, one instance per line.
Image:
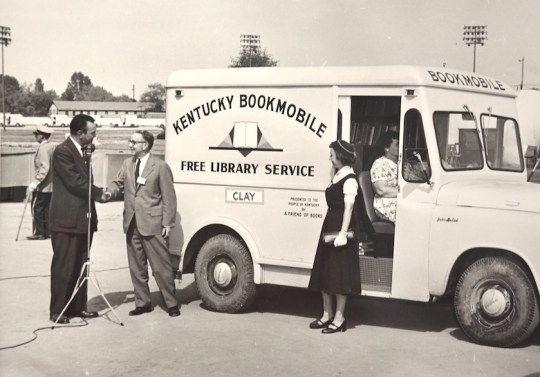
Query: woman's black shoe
x=332, y=328
x=318, y=324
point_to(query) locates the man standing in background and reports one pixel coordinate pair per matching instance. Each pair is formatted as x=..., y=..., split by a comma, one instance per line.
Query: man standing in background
x=69, y=218
x=41, y=185
x=146, y=184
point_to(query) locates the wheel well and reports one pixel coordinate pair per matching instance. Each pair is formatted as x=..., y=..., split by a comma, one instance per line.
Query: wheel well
x=472, y=255
x=198, y=240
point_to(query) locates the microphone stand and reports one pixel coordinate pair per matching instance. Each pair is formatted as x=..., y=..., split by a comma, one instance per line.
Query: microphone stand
x=85, y=270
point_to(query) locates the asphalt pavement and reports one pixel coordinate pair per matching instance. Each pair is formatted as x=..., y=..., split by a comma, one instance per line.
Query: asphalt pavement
x=384, y=338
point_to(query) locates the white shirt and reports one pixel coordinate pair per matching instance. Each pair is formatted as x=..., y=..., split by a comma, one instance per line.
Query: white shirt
x=350, y=187
x=143, y=160
x=77, y=145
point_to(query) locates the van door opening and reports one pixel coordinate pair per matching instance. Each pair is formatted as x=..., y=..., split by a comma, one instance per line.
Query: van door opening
x=371, y=116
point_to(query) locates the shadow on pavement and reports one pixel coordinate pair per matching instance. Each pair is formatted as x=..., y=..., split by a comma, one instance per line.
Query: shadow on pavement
x=116, y=299
x=407, y=315
x=399, y=314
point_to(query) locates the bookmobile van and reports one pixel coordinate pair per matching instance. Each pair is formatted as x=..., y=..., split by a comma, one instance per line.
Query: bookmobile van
x=249, y=151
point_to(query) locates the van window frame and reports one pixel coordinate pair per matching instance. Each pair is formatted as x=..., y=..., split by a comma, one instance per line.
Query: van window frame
x=518, y=141
x=478, y=139
x=404, y=147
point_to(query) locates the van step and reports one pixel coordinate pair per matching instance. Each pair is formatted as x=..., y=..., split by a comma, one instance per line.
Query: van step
x=376, y=274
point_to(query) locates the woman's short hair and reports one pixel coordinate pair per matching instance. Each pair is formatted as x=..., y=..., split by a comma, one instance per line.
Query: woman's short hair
x=385, y=140
x=344, y=152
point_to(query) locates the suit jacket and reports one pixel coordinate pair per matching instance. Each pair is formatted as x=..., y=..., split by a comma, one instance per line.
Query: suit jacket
x=153, y=203
x=69, y=200
x=42, y=166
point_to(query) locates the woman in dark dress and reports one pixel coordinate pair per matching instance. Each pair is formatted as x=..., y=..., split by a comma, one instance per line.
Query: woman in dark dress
x=336, y=270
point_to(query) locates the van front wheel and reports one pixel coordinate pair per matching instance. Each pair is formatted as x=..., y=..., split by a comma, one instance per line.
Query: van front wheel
x=224, y=274
x=495, y=302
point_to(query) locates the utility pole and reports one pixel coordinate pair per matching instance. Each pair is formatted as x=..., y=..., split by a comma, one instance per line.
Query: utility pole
x=251, y=44
x=475, y=35
x=522, y=61
x=5, y=40
x=133, y=91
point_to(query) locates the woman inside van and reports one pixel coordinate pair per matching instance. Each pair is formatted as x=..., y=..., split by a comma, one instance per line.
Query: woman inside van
x=336, y=271
x=384, y=176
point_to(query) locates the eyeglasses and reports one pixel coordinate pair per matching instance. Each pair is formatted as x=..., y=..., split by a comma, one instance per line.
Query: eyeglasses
x=135, y=142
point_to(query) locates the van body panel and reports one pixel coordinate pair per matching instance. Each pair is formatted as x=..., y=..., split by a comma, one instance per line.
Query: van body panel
x=455, y=230
x=511, y=196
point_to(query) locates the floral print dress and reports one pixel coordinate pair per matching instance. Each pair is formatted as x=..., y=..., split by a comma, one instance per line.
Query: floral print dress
x=384, y=169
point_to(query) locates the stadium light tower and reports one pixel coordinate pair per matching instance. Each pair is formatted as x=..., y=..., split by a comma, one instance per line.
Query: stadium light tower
x=250, y=44
x=5, y=40
x=475, y=35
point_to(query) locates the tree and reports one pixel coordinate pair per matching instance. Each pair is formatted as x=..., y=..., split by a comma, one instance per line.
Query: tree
x=253, y=59
x=77, y=87
x=27, y=100
x=155, y=94
x=39, y=87
x=97, y=93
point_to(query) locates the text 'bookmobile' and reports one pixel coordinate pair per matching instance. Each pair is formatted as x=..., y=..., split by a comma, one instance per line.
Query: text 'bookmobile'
x=249, y=152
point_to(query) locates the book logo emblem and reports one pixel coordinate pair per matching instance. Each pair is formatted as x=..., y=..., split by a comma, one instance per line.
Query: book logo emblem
x=246, y=137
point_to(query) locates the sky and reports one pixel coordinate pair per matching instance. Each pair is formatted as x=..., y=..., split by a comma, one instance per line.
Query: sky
x=121, y=43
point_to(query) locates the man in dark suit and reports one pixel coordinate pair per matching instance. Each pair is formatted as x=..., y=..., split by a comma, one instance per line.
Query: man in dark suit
x=146, y=183
x=68, y=217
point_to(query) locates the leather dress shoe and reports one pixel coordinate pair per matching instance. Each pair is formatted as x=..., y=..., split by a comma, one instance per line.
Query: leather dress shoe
x=84, y=314
x=333, y=328
x=60, y=320
x=140, y=310
x=174, y=311
x=36, y=237
x=318, y=324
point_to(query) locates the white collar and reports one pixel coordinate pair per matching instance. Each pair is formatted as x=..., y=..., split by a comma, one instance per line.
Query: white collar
x=77, y=145
x=343, y=172
x=144, y=159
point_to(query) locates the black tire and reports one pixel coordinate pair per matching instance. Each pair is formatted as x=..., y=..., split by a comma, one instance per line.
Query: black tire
x=224, y=275
x=18, y=125
x=63, y=125
x=115, y=125
x=496, y=303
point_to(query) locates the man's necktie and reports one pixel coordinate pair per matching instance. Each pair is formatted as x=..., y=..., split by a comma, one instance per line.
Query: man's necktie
x=137, y=169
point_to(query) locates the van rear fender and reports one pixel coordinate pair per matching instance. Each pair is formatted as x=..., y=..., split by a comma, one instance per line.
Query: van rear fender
x=472, y=255
x=211, y=229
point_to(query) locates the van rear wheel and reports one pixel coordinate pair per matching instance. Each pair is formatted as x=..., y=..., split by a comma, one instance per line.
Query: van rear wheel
x=224, y=274
x=496, y=303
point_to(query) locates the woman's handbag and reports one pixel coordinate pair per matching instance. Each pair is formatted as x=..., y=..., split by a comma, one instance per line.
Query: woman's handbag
x=329, y=237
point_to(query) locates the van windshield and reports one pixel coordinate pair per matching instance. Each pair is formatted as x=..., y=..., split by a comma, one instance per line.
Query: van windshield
x=501, y=140
x=458, y=141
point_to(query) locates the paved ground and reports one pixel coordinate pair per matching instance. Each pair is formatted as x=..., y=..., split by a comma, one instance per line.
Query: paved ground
x=385, y=338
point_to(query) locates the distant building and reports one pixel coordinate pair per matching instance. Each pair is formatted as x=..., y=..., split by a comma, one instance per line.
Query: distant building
x=104, y=109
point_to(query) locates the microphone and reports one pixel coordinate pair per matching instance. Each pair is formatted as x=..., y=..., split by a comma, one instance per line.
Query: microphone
x=87, y=150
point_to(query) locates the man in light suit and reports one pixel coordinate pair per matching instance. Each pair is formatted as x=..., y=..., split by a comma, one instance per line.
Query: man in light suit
x=146, y=183
x=68, y=218
x=41, y=185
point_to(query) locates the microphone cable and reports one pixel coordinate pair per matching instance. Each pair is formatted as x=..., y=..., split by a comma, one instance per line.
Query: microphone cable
x=85, y=323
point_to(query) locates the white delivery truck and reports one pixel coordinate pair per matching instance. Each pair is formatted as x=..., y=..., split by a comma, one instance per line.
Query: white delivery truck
x=134, y=121
x=107, y=121
x=60, y=120
x=528, y=104
x=249, y=152
x=13, y=120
